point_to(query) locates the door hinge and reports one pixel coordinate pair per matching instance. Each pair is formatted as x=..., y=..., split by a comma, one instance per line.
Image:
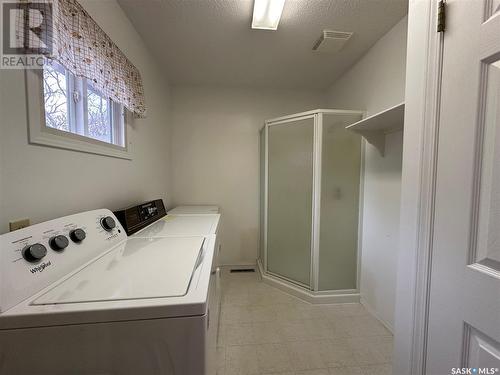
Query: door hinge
x=441, y=21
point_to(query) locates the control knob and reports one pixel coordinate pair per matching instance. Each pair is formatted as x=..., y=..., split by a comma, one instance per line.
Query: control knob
x=77, y=235
x=108, y=223
x=33, y=253
x=58, y=243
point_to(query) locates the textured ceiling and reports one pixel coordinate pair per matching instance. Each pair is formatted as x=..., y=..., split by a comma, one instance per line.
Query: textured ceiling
x=210, y=42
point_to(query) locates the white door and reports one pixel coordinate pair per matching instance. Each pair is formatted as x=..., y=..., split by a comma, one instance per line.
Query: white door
x=464, y=313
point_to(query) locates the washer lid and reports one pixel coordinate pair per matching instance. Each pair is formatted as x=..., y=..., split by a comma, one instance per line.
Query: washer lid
x=139, y=268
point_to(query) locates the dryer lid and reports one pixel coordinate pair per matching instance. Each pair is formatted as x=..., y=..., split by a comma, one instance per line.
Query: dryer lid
x=194, y=210
x=173, y=225
x=137, y=269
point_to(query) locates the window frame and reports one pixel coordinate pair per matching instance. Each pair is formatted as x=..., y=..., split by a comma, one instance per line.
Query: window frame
x=41, y=134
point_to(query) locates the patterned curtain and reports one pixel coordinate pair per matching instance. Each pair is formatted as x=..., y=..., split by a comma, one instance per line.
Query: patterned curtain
x=82, y=47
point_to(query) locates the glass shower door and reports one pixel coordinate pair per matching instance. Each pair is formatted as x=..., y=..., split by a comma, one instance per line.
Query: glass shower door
x=262, y=182
x=290, y=195
x=339, y=203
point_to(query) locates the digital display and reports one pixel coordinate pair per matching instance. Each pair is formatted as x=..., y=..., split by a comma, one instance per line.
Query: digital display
x=148, y=211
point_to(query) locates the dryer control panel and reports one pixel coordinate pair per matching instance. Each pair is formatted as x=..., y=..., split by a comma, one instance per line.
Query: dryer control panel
x=138, y=217
x=32, y=258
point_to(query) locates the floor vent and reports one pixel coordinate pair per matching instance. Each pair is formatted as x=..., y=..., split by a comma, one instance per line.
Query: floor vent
x=242, y=270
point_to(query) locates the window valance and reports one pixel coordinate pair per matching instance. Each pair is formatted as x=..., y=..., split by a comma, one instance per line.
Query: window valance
x=81, y=46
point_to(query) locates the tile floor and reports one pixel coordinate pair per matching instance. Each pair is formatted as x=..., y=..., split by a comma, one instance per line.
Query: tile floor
x=264, y=331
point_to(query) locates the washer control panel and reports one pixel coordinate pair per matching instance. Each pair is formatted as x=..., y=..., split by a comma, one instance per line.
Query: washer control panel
x=108, y=223
x=34, y=257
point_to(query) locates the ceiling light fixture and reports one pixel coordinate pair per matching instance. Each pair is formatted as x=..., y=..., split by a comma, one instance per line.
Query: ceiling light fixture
x=267, y=14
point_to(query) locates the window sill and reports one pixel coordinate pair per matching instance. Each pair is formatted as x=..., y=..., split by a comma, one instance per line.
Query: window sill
x=60, y=139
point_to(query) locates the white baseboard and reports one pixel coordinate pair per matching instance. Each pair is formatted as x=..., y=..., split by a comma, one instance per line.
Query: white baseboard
x=304, y=294
x=374, y=313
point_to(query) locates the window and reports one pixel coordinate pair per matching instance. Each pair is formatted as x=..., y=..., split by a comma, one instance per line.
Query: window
x=73, y=105
x=67, y=112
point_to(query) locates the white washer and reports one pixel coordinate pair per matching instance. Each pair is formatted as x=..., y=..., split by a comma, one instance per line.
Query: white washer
x=105, y=304
x=194, y=210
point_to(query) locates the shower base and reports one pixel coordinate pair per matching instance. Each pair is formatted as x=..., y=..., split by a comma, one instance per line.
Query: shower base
x=315, y=297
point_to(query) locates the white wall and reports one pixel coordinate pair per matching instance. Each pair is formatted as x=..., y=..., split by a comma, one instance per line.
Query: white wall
x=215, y=155
x=374, y=83
x=42, y=183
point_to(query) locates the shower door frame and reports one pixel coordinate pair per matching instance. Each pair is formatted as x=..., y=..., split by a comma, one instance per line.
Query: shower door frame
x=317, y=116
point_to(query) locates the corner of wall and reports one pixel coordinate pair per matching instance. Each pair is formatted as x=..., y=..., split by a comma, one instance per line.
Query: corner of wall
x=375, y=83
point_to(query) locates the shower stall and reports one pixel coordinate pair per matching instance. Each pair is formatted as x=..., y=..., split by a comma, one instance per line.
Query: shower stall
x=310, y=204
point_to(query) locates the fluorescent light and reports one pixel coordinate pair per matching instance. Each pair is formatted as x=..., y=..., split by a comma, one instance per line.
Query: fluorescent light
x=267, y=14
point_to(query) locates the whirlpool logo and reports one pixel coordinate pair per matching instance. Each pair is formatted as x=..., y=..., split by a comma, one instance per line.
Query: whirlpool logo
x=40, y=267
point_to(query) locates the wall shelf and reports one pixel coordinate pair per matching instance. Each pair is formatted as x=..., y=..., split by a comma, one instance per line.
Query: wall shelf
x=375, y=127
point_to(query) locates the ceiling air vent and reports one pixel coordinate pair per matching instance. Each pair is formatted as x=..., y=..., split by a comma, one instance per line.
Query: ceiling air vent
x=331, y=41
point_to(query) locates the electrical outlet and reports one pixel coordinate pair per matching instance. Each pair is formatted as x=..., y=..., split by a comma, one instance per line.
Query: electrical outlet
x=19, y=224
